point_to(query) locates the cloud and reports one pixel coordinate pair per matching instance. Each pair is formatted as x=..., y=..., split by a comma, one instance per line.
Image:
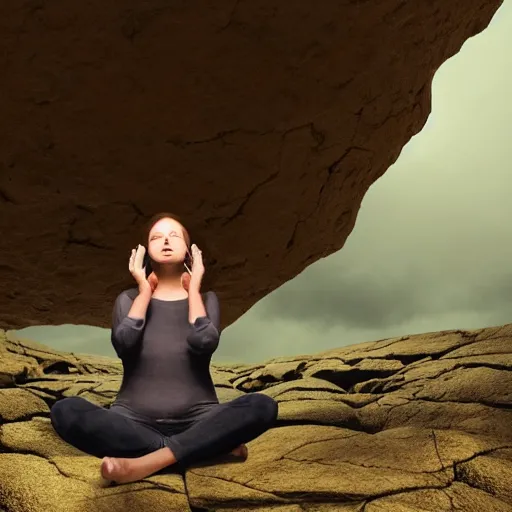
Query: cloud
x=80, y=339
x=343, y=297
x=356, y=300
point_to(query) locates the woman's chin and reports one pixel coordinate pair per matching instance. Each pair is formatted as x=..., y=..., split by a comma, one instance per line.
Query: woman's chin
x=167, y=260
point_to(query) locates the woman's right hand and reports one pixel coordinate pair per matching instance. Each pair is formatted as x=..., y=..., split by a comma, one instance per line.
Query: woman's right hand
x=139, y=272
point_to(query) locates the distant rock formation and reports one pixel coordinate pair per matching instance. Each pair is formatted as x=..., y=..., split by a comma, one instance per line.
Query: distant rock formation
x=412, y=424
x=264, y=123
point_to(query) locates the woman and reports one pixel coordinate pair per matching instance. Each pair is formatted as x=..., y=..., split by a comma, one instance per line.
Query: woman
x=167, y=411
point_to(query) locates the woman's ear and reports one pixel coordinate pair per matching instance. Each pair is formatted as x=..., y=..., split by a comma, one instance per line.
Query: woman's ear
x=153, y=281
x=185, y=280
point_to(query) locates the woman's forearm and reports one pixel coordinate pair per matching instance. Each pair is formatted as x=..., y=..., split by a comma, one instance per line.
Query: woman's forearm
x=128, y=328
x=203, y=337
x=140, y=304
x=195, y=306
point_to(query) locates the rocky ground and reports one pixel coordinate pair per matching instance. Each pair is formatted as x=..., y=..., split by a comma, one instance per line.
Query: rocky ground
x=410, y=424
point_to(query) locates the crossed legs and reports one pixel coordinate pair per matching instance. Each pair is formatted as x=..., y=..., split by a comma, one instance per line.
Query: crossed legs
x=132, y=451
x=225, y=428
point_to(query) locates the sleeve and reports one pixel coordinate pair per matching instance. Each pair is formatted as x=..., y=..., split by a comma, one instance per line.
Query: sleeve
x=126, y=331
x=204, y=333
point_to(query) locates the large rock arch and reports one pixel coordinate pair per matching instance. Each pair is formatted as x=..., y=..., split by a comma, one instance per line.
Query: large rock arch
x=263, y=122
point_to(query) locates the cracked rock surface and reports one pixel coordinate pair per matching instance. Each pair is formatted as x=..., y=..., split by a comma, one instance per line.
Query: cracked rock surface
x=412, y=424
x=259, y=121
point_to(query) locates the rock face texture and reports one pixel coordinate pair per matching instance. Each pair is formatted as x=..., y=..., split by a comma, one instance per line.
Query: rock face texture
x=414, y=424
x=259, y=121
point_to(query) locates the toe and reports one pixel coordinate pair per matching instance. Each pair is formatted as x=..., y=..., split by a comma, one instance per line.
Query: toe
x=105, y=467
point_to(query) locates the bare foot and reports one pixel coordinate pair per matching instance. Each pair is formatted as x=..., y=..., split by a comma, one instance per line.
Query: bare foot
x=122, y=471
x=112, y=468
x=240, y=451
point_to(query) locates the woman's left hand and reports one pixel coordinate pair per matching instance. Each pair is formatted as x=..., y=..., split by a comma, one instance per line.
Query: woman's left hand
x=197, y=269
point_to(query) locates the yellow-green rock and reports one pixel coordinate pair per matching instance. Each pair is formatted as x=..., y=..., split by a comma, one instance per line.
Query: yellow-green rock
x=412, y=424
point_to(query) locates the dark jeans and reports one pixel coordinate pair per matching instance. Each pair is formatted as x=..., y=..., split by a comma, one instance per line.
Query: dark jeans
x=213, y=431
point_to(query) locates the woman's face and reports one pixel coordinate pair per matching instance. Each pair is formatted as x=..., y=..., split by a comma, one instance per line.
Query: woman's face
x=166, y=242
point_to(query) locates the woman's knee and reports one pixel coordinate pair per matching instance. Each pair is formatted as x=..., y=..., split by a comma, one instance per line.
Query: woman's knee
x=265, y=408
x=66, y=412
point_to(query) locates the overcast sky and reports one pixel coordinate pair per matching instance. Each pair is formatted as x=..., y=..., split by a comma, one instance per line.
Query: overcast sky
x=432, y=245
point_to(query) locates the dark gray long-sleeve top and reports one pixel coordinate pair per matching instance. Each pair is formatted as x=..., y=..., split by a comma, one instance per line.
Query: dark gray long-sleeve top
x=166, y=359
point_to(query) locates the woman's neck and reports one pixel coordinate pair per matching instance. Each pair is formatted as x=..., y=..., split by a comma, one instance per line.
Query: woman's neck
x=169, y=285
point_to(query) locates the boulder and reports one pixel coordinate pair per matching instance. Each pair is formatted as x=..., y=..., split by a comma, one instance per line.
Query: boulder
x=264, y=122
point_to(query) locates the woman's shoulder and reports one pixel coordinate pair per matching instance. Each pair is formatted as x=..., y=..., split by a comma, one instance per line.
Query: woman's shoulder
x=129, y=293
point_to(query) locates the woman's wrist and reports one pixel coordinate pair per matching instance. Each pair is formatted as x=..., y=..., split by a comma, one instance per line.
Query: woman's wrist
x=193, y=291
x=145, y=290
